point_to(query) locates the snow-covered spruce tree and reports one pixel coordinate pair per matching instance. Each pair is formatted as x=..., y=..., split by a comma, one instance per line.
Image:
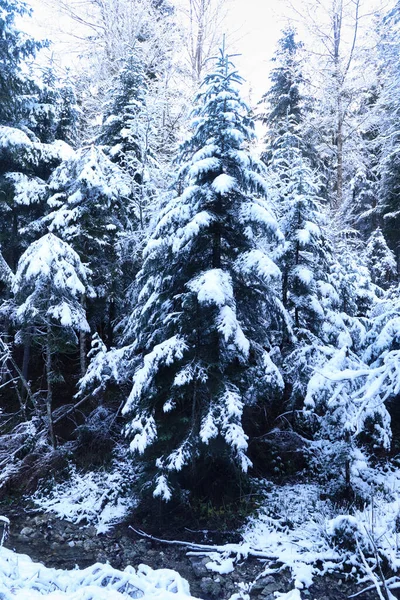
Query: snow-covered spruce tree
x=350, y=274
x=208, y=308
x=380, y=260
x=325, y=295
x=48, y=286
x=362, y=206
x=303, y=259
x=351, y=423
x=15, y=48
x=349, y=427
x=53, y=112
x=25, y=166
x=283, y=100
x=129, y=137
x=120, y=132
x=312, y=291
x=120, y=27
x=380, y=382
x=89, y=212
x=25, y=162
x=70, y=114
x=389, y=164
x=44, y=106
x=284, y=106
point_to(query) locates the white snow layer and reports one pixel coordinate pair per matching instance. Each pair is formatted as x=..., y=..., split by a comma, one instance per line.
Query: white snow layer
x=23, y=579
x=213, y=287
x=294, y=528
x=46, y=253
x=20, y=144
x=223, y=184
x=165, y=353
x=93, y=498
x=27, y=190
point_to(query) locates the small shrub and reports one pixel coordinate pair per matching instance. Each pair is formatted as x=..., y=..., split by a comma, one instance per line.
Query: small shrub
x=344, y=531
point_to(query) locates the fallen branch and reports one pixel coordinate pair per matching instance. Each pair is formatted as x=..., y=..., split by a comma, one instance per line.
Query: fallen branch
x=377, y=584
x=70, y=409
x=393, y=583
x=227, y=549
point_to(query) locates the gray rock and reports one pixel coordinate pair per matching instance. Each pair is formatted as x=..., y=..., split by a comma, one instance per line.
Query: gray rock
x=211, y=587
x=270, y=585
x=27, y=532
x=91, y=532
x=199, y=566
x=88, y=545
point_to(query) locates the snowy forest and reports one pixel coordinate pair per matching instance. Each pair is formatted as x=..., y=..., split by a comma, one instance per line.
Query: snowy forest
x=199, y=291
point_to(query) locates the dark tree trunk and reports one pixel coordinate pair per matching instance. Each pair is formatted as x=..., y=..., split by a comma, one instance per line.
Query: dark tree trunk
x=49, y=397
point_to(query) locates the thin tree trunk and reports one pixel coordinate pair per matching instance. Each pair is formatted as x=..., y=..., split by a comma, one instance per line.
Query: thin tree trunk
x=3, y=348
x=339, y=172
x=216, y=251
x=49, y=397
x=82, y=352
x=27, y=353
x=82, y=345
x=198, y=59
x=110, y=324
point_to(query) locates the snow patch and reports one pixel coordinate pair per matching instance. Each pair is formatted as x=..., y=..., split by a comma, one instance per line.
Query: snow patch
x=222, y=566
x=22, y=579
x=223, y=184
x=213, y=287
x=98, y=498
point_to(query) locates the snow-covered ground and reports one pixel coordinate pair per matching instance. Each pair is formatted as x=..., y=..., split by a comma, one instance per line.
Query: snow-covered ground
x=312, y=536
x=99, y=498
x=22, y=579
x=295, y=527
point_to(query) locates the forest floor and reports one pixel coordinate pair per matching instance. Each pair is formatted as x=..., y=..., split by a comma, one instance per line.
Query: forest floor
x=60, y=544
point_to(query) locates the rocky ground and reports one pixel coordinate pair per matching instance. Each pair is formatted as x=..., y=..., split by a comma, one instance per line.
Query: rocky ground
x=60, y=544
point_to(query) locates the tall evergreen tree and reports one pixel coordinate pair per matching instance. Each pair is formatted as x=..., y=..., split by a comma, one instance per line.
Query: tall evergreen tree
x=48, y=287
x=390, y=158
x=283, y=108
x=70, y=113
x=88, y=210
x=53, y=112
x=25, y=163
x=129, y=136
x=15, y=48
x=362, y=206
x=208, y=308
x=303, y=260
x=25, y=166
x=283, y=100
x=380, y=260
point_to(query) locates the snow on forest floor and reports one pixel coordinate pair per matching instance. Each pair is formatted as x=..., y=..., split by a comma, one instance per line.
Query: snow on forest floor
x=22, y=579
x=312, y=536
x=294, y=528
x=97, y=498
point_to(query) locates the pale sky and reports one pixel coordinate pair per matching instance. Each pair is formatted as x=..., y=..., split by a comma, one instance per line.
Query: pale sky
x=257, y=25
x=254, y=29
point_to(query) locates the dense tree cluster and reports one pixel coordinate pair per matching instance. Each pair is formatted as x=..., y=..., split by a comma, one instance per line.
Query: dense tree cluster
x=221, y=308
